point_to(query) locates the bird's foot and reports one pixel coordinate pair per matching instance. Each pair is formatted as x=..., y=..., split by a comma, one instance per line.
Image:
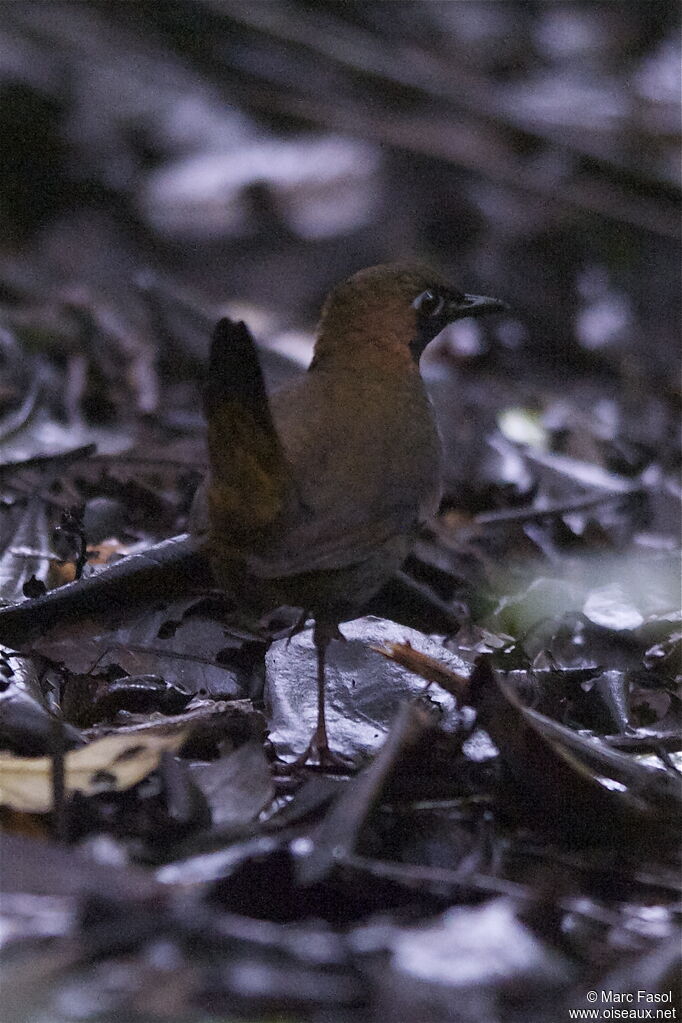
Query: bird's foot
x=318, y=754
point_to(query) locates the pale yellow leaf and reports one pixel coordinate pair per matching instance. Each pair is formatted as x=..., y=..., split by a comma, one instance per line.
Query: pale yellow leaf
x=113, y=763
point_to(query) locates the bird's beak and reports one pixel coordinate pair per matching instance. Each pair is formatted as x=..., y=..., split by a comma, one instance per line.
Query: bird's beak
x=473, y=305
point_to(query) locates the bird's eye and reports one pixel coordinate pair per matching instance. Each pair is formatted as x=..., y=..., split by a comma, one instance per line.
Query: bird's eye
x=429, y=303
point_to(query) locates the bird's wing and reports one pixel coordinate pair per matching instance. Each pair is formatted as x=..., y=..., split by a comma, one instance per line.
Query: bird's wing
x=348, y=500
x=250, y=478
x=331, y=543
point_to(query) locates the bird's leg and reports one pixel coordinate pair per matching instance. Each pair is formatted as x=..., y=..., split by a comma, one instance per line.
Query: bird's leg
x=320, y=741
x=323, y=633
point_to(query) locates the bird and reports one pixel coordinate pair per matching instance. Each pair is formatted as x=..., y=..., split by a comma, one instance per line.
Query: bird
x=315, y=493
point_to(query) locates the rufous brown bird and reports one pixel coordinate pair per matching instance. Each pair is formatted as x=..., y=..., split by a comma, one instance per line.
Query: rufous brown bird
x=315, y=495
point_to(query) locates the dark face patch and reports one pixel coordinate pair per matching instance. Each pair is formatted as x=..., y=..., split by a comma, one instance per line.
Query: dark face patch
x=438, y=306
x=434, y=308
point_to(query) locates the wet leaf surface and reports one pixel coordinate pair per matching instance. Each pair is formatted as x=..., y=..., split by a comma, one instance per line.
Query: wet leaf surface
x=363, y=693
x=237, y=787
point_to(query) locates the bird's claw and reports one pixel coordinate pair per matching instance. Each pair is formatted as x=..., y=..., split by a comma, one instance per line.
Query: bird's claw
x=318, y=754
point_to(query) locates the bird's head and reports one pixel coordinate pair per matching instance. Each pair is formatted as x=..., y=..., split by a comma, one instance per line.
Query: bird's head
x=393, y=308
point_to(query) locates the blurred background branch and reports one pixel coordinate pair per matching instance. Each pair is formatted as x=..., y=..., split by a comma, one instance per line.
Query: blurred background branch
x=266, y=149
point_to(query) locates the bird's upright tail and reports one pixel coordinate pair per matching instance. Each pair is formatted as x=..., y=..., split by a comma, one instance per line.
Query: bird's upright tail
x=250, y=479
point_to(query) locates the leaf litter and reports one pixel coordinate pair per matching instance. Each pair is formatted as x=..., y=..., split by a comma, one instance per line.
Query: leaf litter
x=506, y=839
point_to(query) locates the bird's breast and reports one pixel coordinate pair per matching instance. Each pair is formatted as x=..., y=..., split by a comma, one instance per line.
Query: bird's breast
x=365, y=442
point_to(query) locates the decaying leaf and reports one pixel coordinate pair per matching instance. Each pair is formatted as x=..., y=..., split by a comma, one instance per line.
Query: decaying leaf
x=113, y=763
x=574, y=782
x=237, y=787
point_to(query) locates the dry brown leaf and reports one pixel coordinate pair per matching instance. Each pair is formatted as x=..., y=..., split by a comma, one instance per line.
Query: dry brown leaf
x=428, y=667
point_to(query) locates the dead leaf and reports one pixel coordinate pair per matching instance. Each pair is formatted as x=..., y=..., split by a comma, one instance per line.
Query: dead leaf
x=429, y=668
x=113, y=763
x=569, y=779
